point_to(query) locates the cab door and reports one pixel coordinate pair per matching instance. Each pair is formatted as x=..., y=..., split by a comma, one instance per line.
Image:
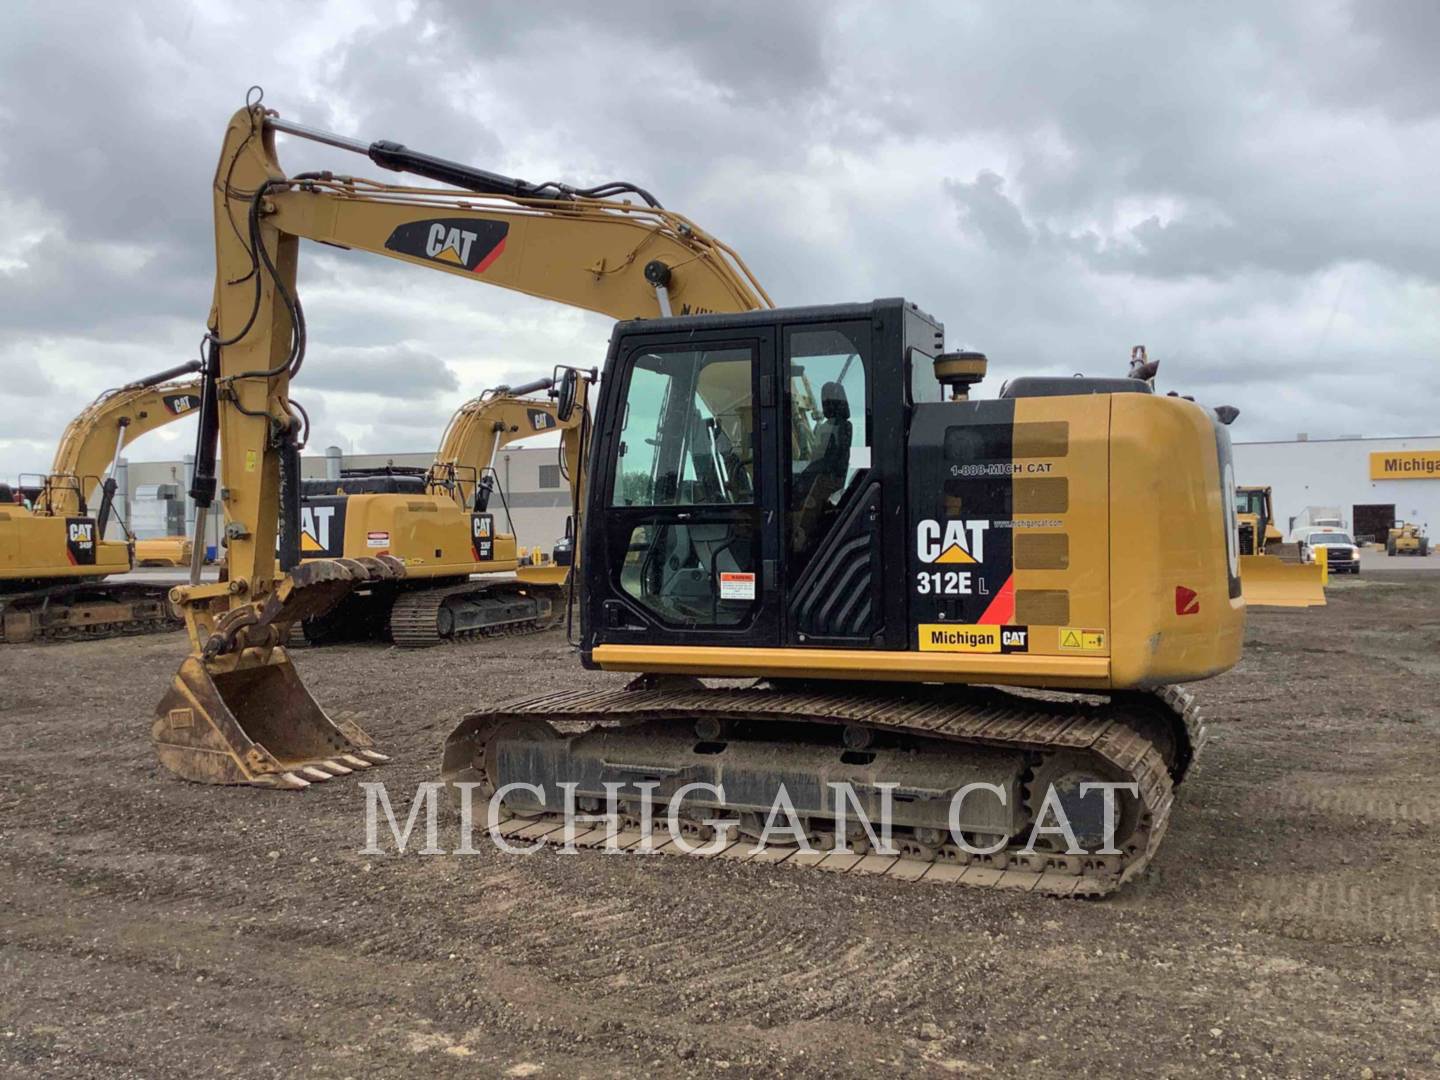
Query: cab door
x=833, y=482
x=682, y=521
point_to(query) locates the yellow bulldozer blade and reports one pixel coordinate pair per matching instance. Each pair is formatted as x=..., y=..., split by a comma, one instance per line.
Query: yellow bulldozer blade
x=549, y=574
x=1270, y=582
x=238, y=713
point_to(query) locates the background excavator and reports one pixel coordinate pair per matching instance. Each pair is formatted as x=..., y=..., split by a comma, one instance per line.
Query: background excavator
x=53, y=553
x=236, y=711
x=1271, y=573
x=872, y=554
x=444, y=529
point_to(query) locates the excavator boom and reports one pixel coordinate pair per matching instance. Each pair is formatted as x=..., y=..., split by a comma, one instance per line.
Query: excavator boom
x=237, y=712
x=94, y=440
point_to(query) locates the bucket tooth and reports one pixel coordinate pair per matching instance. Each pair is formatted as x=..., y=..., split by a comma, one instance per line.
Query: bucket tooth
x=375, y=756
x=382, y=567
x=334, y=768
x=356, y=762
x=284, y=781
x=314, y=773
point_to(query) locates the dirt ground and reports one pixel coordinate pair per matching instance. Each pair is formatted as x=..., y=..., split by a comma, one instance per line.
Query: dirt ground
x=1289, y=926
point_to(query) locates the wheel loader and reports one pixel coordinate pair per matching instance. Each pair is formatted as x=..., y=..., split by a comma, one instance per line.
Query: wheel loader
x=1406, y=539
x=54, y=555
x=922, y=593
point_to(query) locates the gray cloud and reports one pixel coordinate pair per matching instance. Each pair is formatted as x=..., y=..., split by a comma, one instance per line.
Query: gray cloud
x=394, y=371
x=25, y=381
x=984, y=207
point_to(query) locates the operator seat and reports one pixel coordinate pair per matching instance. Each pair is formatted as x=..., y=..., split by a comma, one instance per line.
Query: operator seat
x=827, y=473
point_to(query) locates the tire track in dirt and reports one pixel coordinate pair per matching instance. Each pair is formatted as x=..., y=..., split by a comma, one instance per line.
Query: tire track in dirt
x=1334, y=902
x=1336, y=797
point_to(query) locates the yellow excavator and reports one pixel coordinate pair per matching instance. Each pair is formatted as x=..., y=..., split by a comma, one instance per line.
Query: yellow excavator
x=444, y=529
x=1271, y=573
x=53, y=552
x=802, y=497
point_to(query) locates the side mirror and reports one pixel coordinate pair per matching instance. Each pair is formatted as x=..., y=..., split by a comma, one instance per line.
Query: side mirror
x=565, y=396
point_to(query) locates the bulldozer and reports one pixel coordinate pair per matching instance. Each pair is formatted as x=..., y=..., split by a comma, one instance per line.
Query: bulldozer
x=1404, y=538
x=54, y=555
x=926, y=594
x=444, y=529
x=1271, y=571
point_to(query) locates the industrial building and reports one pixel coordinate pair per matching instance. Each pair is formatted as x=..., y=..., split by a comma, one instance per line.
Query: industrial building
x=154, y=501
x=1372, y=481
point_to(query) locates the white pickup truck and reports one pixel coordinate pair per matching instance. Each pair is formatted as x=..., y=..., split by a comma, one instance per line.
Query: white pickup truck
x=1341, y=552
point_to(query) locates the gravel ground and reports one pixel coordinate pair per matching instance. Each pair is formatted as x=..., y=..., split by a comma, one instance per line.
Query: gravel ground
x=1289, y=925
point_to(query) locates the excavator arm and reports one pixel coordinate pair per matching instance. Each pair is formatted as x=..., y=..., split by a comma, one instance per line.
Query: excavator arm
x=237, y=711
x=479, y=429
x=94, y=440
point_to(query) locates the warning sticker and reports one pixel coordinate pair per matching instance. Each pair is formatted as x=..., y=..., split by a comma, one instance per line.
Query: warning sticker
x=1079, y=639
x=377, y=539
x=954, y=637
x=736, y=586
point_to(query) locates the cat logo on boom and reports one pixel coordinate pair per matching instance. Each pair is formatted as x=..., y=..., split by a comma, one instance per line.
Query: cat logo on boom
x=471, y=244
x=951, y=542
x=180, y=404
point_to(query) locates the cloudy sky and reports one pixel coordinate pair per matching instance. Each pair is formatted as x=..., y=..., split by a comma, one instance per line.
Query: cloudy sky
x=1248, y=189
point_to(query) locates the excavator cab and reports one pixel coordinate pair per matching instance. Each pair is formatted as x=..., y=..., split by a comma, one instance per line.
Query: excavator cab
x=735, y=513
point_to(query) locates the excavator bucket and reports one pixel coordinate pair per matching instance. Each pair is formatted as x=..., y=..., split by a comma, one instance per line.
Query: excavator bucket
x=238, y=713
x=1270, y=582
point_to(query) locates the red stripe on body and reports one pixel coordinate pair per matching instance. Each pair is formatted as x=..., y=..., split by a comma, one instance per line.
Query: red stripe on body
x=1002, y=608
x=495, y=253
